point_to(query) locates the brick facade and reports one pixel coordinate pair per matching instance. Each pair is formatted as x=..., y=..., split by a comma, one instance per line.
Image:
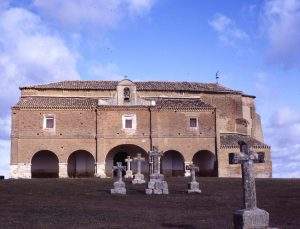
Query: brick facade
x=89, y=117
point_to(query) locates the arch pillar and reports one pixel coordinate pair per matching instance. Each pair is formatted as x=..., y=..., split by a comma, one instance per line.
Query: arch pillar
x=63, y=170
x=100, y=170
x=20, y=170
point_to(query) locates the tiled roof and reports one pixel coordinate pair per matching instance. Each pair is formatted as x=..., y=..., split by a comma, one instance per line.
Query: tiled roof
x=86, y=103
x=229, y=140
x=56, y=102
x=188, y=103
x=141, y=86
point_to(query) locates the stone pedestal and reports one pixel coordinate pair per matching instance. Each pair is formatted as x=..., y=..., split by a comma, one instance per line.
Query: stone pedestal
x=194, y=187
x=251, y=219
x=63, y=170
x=119, y=188
x=138, y=179
x=128, y=174
x=100, y=170
x=157, y=185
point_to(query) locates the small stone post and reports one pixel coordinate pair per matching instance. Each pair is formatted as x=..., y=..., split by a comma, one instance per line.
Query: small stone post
x=250, y=216
x=119, y=185
x=157, y=184
x=193, y=185
x=128, y=174
x=139, y=177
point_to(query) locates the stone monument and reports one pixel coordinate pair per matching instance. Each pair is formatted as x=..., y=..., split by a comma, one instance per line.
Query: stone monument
x=139, y=177
x=157, y=184
x=193, y=186
x=250, y=216
x=128, y=174
x=119, y=185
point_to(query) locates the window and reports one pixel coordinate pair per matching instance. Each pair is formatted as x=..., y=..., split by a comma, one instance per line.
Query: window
x=261, y=157
x=128, y=123
x=49, y=122
x=193, y=123
x=231, y=158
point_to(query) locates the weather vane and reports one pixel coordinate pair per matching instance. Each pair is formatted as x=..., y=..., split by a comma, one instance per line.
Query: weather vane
x=218, y=73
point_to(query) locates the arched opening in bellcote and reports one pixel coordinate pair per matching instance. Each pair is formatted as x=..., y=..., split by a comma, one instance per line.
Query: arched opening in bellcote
x=126, y=92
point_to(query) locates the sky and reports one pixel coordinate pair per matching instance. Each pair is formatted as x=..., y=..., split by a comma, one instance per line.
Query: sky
x=255, y=44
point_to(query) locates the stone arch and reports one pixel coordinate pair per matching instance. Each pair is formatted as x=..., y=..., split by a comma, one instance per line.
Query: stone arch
x=81, y=163
x=119, y=154
x=172, y=163
x=44, y=164
x=206, y=161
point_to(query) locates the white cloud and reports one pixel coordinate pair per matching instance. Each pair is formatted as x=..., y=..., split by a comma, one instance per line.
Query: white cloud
x=29, y=53
x=101, y=13
x=140, y=6
x=227, y=31
x=283, y=133
x=282, y=25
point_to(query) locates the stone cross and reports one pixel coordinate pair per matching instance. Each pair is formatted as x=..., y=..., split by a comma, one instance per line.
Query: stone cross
x=193, y=169
x=246, y=159
x=119, y=167
x=154, y=160
x=251, y=216
x=156, y=184
x=119, y=185
x=139, y=177
x=193, y=186
x=128, y=174
x=139, y=159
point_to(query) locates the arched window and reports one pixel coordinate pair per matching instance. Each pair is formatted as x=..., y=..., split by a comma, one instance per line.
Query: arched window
x=126, y=94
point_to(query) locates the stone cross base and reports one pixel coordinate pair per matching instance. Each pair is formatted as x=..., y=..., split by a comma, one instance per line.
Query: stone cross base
x=194, y=187
x=157, y=185
x=128, y=174
x=119, y=188
x=138, y=179
x=251, y=219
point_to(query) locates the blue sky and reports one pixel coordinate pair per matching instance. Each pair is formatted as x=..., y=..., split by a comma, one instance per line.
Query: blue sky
x=254, y=44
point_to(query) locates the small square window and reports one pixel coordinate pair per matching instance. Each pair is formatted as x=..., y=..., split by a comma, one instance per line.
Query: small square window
x=49, y=122
x=128, y=123
x=193, y=122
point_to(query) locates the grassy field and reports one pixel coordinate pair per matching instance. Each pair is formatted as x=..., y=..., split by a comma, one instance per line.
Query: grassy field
x=87, y=203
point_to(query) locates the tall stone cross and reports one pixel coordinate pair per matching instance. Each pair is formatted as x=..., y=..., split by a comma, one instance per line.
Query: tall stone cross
x=193, y=169
x=128, y=174
x=139, y=159
x=251, y=216
x=119, y=167
x=154, y=160
x=139, y=177
x=193, y=186
x=246, y=159
x=156, y=184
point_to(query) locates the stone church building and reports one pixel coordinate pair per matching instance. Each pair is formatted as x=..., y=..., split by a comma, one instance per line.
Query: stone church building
x=82, y=128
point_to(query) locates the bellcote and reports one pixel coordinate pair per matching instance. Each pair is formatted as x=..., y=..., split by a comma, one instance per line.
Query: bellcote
x=126, y=93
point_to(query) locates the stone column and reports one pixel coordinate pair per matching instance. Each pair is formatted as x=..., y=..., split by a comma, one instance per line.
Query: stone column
x=63, y=170
x=100, y=170
x=187, y=172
